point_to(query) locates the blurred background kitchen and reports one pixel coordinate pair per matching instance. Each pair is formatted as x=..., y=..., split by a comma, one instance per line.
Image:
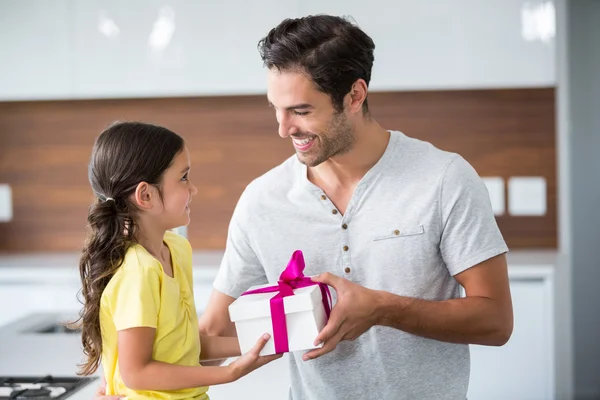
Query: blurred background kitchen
x=512, y=85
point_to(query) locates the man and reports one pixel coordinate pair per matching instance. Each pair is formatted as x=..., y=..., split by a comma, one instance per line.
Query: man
x=393, y=224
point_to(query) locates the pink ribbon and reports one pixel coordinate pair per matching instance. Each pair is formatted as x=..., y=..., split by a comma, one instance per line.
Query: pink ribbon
x=291, y=278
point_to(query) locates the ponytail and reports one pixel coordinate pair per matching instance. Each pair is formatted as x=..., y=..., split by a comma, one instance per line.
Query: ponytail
x=111, y=234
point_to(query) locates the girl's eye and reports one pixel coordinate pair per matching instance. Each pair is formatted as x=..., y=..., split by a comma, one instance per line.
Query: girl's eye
x=185, y=177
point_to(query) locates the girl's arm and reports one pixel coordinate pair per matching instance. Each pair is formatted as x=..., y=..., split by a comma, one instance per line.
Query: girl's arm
x=218, y=347
x=140, y=372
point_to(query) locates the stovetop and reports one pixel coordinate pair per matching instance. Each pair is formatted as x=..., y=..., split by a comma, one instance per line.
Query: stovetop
x=40, y=387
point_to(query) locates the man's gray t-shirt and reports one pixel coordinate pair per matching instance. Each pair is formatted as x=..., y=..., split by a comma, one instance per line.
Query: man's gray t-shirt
x=417, y=218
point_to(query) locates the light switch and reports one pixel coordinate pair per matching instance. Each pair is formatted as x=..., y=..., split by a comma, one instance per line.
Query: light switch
x=495, y=187
x=527, y=196
x=6, y=206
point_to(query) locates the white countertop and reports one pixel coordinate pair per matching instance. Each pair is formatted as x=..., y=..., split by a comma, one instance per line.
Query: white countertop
x=46, y=260
x=212, y=259
x=49, y=268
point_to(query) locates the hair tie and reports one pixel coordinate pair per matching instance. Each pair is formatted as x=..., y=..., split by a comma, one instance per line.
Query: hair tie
x=109, y=199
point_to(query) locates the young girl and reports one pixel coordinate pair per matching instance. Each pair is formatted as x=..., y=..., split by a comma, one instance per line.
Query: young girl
x=139, y=316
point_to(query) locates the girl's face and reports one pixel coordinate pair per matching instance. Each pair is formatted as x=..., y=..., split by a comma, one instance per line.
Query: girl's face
x=177, y=192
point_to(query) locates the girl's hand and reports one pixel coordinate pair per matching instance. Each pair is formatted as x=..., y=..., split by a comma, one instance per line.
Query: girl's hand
x=250, y=361
x=101, y=392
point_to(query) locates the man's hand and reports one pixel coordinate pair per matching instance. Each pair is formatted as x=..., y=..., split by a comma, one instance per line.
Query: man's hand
x=353, y=314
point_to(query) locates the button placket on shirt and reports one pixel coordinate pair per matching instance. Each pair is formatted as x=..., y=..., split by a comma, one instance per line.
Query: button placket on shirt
x=345, y=232
x=345, y=237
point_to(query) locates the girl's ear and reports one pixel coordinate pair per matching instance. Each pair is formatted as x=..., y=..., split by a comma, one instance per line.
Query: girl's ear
x=144, y=195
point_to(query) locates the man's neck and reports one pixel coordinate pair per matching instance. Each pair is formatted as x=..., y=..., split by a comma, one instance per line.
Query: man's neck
x=346, y=170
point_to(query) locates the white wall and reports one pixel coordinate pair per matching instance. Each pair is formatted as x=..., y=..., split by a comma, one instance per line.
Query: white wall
x=108, y=49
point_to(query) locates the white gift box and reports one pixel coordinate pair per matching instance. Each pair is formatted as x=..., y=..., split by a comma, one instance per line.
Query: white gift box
x=304, y=315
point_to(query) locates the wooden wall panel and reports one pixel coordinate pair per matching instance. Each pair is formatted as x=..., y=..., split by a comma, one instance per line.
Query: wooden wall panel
x=45, y=148
x=500, y=132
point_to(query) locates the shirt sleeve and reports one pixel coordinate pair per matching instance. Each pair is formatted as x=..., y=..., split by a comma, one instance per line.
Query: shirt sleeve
x=470, y=234
x=136, y=299
x=240, y=267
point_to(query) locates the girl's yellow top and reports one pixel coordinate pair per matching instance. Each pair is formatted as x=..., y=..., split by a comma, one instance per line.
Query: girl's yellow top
x=141, y=294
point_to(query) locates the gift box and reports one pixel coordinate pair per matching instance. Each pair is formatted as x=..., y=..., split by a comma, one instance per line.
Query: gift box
x=293, y=311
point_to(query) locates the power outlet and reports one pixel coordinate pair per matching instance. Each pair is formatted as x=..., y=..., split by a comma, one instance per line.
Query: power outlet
x=495, y=187
x=527, y=196
x=6, y=204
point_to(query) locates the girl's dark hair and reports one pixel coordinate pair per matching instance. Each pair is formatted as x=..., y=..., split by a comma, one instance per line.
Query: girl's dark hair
x=124, y=155
x=331, y=50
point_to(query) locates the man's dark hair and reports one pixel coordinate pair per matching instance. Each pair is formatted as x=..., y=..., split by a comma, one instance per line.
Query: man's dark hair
x=331, y=50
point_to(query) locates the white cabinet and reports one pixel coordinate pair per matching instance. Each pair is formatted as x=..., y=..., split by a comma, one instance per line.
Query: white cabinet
x=19, y=300
x=69, y=49
x=523, y=369
x=449, y=44
x=201, y=295
x=157, y=48
x=138, y=48
x=270, y=382
x=35, y=49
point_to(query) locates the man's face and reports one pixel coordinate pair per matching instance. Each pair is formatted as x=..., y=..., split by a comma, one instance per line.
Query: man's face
x=317, y=130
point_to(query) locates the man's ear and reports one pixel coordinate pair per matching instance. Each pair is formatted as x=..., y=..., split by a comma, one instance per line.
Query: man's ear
x=357, y=96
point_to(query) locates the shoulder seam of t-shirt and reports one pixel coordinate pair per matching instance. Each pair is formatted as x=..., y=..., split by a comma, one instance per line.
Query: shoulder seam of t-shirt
x=454, y=157
x=153, y=267
x=123, y=272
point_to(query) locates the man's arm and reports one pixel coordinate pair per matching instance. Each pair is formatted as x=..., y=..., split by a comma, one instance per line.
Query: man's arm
x=485, y=316
x=218, y=348
x=215, y=319
x=215, y=322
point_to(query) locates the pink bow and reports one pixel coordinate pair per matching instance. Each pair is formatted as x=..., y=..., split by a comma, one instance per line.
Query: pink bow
x=291, y=278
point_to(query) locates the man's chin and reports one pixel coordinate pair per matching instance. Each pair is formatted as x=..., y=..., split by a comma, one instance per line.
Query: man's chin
x=308, y=161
